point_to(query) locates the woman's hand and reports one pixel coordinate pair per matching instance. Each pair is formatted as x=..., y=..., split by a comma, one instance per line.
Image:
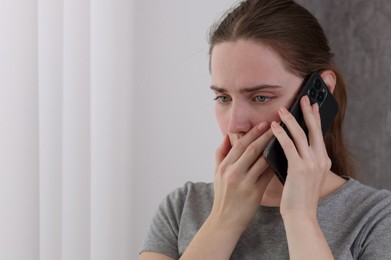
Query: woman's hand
x=240, y=181
x=308, y=161
x=241, y=178
x=308, y=166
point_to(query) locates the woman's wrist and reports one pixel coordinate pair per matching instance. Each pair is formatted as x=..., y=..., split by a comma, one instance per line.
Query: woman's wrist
x=214, y=240
x=227, y=228
x=295, y=215
x=305, y=236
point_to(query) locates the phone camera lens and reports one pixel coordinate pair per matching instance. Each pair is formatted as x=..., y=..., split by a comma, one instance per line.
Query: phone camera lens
x=320, y=97
x=317, y=84
x=312, y=93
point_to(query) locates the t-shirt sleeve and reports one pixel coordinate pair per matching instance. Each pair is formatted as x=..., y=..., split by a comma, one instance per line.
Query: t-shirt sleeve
x=376, y=239
x=162, y=235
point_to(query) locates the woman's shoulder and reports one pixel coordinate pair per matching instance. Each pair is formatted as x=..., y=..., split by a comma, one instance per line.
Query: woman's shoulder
x=180, y=213
x=199, y=191
x=379, y=200
x=185, y=200
x=356, y=218
x=363, y=192
x=190, y=194
x=356, y=196
x=195, y=187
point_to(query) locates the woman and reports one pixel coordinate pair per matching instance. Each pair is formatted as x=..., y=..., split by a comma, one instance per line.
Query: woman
x=260, y=54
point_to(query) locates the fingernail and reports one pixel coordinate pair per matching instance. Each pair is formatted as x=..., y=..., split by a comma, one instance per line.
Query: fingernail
x=307, y=100
x=275, y=125
x=262, y=126
x=316, y=107
x=283, y=110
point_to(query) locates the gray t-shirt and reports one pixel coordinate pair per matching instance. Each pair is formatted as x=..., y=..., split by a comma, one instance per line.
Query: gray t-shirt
x=356, y=221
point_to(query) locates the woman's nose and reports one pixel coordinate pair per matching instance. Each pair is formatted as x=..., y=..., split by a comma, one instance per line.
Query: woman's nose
x=239, y=119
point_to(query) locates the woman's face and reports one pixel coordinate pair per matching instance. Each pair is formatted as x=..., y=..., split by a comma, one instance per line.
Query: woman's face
x=251, y=84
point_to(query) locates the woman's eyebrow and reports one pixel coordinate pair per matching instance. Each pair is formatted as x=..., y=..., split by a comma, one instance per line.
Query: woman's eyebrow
x=248, y=90
x=217, y=89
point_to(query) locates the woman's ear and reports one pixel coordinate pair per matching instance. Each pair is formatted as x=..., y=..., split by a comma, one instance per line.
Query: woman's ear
x=330, y=79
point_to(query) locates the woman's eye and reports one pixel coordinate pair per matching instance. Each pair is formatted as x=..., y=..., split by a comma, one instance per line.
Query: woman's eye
x=261, y=99
x=223, y=99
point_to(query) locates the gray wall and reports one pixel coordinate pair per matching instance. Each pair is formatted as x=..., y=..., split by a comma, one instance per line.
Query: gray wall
x=359, y=32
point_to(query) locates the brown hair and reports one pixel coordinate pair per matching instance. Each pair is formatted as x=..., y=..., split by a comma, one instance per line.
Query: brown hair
x=295, y=34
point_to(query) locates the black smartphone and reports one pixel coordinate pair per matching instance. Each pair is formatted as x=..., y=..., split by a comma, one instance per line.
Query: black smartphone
x=315, y=88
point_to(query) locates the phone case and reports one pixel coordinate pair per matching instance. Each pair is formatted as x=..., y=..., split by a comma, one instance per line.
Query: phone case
x=318, y=92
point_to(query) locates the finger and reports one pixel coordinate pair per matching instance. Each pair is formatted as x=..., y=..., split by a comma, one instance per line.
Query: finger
x=262, y=182
x=315, y=108
x=313, y=123
x=286, y=143
x=241, y=145
x=254, y=152
x=223, y=150
x=257, y=169
x=298, y=135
